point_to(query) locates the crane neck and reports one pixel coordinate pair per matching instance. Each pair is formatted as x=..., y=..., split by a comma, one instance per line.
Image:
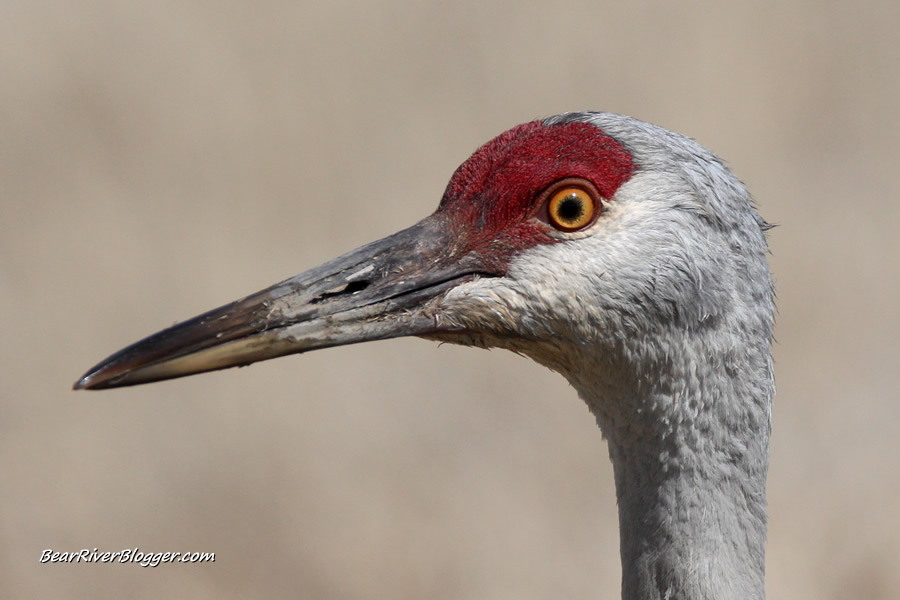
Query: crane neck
x=689, y=533
x=690, y=449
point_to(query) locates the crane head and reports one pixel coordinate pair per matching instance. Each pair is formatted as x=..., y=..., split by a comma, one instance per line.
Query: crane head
x=570, y=232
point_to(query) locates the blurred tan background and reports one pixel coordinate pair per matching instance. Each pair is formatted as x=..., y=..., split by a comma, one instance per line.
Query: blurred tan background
x=158, y=159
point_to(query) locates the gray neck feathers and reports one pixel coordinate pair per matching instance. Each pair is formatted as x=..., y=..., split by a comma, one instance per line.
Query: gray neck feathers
x=689, y=448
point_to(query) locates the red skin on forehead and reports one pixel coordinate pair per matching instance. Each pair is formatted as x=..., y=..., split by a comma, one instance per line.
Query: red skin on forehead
x=490, y=201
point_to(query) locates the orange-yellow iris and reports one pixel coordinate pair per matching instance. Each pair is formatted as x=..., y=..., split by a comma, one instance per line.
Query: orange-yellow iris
x=571, y=208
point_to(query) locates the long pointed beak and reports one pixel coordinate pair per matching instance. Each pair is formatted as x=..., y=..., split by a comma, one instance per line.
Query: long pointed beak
x=379, y=291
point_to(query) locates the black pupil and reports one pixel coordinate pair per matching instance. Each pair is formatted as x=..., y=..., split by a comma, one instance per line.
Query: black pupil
x=571, y=208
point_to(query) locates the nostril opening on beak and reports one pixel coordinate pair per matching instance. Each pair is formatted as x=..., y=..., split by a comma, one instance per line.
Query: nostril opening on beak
x=350, y=288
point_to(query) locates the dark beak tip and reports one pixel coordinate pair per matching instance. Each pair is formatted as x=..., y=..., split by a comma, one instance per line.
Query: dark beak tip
x=85, y=383
x=98, y=378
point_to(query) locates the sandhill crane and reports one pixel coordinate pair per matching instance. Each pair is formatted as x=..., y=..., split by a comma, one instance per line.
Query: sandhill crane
x=617, y=253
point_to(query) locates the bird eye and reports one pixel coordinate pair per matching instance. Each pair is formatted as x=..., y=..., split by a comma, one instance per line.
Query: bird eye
x=572, y=207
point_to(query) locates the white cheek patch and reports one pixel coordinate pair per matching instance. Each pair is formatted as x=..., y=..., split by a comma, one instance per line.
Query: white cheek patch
x=482, y=304
x=562, y=288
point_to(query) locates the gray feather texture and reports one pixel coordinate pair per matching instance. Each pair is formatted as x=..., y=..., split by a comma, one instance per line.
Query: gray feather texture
x=660, y=315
